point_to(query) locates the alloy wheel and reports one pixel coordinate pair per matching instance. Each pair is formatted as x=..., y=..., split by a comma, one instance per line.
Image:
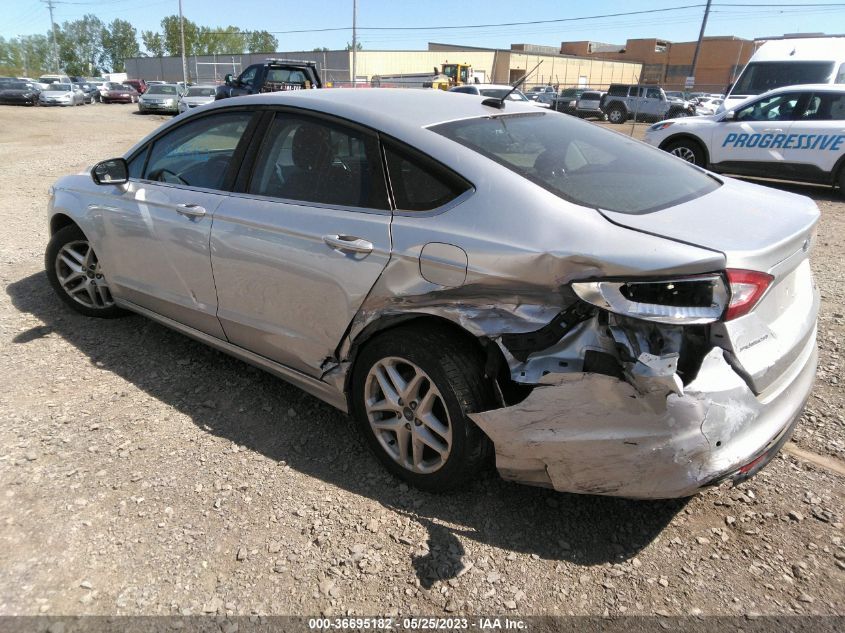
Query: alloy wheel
x=81, y=277
x=408, y=415
x=685, y=153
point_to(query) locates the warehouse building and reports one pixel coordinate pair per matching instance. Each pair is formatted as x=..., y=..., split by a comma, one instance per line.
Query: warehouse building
x=668, y=64
x=489, y=65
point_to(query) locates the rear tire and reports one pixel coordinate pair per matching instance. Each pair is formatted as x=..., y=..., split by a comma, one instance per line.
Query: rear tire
x=412, y=388
x=617, y=115
x=688, y=150
x=76, y=276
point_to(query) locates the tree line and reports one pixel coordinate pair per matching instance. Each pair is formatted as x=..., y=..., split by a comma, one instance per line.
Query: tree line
x=89, y=46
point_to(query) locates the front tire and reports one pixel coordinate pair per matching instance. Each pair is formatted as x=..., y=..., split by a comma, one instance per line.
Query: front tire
x=688, y=150
x=617, y=116
x=76, y=275
x=412, y=388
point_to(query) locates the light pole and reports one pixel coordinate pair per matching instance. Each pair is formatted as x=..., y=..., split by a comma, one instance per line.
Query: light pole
x=354, y=42
x=182, y=36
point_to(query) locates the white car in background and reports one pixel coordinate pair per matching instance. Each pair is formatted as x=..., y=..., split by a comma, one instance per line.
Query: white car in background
x=496, y=91
x=708, y=105
x=196, y=96
x=792, y=133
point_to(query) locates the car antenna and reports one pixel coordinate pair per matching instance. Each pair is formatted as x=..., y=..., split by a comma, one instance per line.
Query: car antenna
x=496, y=102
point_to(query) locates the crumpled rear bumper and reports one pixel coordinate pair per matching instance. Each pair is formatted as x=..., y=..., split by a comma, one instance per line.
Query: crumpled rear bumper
x=595, y=434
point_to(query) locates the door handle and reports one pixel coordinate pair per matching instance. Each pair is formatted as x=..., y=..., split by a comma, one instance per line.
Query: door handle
x=348, y=243
x=190, y=210
x=773, y=129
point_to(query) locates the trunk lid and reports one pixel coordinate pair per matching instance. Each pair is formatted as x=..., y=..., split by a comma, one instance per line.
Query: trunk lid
x=757, y=229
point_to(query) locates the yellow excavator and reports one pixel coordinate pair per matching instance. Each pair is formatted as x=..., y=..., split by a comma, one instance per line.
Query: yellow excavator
x=451, y=75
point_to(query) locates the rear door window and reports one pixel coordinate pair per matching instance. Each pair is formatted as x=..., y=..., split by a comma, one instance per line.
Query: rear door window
x=315, y=160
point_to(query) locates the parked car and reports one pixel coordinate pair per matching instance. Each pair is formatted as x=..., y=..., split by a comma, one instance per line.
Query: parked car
x=90, y=92
x=18, y=93
x=112, y=92
x=196, y=96
x=793, y=133
x=647, y=103
x=63, y=94
x=139, y=84
x=606, y=318
x=160, y=98
x=707, y=105
x=588, y=105
x=567, y=100
x=542, y=95
x=492, y=90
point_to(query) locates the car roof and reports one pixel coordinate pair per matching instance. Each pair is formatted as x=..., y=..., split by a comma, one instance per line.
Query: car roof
x=393, y=110
x=806, y=87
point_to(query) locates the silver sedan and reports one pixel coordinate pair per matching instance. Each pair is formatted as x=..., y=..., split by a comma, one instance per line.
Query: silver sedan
x=467, y=278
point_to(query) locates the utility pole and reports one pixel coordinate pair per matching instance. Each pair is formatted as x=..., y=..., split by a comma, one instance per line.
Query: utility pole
x=354, y=42
x=700, y=39
x=53, y=30
x=184, y=59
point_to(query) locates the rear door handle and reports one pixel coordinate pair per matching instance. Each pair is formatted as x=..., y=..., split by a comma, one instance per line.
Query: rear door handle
x=348, y=243
x=190, y=210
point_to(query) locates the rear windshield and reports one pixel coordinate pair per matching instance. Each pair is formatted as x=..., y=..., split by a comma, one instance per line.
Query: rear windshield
x=591, y=96
x=158, y=89
x=200, y=92
x=582, y=163
x=58, y=86
x=759, y=77
x=15, y=86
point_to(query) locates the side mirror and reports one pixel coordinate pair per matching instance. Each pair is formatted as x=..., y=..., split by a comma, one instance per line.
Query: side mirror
x=113, y=171
x=228, y=79
x=730, y=115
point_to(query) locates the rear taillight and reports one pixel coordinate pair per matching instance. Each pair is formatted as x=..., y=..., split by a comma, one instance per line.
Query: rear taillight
x=746, y=287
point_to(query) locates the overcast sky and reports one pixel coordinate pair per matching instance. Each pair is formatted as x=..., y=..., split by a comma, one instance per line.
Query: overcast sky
x=31, y=16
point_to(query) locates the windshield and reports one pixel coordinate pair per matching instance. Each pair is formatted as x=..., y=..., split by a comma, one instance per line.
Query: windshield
x=14, y=86
x=498, y=93
x=114, y=86
x=760, y=77
x=200, y=92
x=58, y=86
x=162, y=90
x=582, y=163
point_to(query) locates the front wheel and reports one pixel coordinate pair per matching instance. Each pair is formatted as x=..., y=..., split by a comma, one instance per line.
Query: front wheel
x=76, y=275
x=411, y=391
x=617, y=116
x=687, y=150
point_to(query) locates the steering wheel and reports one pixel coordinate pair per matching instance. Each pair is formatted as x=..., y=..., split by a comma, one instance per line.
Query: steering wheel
x=165, y=175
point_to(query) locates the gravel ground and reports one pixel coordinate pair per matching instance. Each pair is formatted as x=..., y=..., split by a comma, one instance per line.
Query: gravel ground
x=142, y=473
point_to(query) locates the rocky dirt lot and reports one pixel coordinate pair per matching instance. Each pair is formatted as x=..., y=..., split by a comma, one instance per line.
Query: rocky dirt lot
x=142, y=473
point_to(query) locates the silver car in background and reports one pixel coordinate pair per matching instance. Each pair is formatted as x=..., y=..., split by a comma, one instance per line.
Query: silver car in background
x=196, y=96
x=466, y=277
x=160, y=98
x=61, y=94
x=589, y=105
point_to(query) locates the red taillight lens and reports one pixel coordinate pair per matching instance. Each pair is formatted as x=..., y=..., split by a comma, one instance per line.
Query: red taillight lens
x=747, y=286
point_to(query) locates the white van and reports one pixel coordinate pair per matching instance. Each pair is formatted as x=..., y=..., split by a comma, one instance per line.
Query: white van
x=789, y=62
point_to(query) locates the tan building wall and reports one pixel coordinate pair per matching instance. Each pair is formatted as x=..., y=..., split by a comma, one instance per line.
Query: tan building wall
x=669, y=63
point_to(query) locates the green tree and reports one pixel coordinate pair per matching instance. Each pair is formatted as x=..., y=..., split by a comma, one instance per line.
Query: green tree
x=358, y=46
x=219, y=40
x=324, y=49
x=261, y=42
x=81, y=45
x=172, y=37
x=120, y=42
x=153, y=43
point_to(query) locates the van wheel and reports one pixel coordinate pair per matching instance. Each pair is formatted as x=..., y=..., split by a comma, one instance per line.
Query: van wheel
x=617, y=115
x=412, y=388
x=688, y=150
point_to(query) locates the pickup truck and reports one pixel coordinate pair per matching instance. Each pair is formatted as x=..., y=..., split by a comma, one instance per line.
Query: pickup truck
x=272, y=75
